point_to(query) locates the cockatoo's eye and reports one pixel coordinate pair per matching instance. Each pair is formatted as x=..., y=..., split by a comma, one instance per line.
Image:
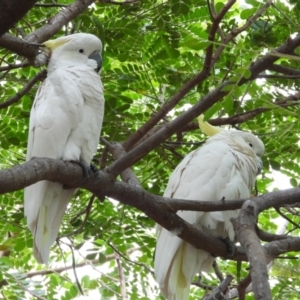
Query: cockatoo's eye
x=250, y=144
x=81, y=50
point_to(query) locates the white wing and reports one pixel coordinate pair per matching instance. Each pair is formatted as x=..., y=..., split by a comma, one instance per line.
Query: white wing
x=209, y=174
x=65, y=123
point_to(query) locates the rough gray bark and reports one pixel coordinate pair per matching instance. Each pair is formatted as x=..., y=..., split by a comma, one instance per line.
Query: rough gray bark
x=23, y=46
x=11, y=11
x=244, y=227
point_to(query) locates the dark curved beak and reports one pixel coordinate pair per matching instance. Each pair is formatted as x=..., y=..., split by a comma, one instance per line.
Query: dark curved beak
x=98, y=58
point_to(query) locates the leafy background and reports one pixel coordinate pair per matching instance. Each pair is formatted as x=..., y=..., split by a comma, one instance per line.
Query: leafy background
x=151, y=47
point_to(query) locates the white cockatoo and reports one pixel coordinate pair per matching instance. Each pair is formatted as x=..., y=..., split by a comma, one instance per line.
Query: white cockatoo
x=225, y=167
x=65, y=123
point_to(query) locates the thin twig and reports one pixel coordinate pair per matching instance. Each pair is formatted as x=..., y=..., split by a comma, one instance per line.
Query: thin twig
x=287, y=218
x=27, y=290
x=217, y=271
x=200, y=77
x=103, y=274
x=14, y=66
x=129, y=260
x=121, y=276
x=25, y=90
x=201, y=285
x=88, y=211
x=242, y=286
x=237, y=31
x=74, y=266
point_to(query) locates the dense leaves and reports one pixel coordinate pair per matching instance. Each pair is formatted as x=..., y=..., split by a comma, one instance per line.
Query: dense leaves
x=151, y=49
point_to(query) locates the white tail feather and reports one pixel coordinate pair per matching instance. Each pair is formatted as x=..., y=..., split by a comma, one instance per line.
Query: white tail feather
x=177, y=264
x=45, y=204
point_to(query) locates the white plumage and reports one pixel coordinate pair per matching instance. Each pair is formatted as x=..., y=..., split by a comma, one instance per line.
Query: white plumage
x=224, y=168
x=65, y=123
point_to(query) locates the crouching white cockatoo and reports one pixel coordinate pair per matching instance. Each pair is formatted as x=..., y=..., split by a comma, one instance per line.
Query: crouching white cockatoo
x=225, y=167
x=65, y=123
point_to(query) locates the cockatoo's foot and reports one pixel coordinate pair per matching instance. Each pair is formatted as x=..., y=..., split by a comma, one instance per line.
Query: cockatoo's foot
x=87, y=170
x=230, y=246
x=94, y=169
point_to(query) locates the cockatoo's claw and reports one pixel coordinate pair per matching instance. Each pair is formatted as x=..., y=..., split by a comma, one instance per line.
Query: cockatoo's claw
x=94, y=169
x=230, y=246
x=85, y=168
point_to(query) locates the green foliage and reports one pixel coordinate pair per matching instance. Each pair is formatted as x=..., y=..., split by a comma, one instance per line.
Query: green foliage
x=151, y=49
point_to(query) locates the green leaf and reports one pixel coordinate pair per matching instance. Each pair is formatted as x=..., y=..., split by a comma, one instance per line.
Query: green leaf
x=293, y=182
x=247, y=13
x=275, y=165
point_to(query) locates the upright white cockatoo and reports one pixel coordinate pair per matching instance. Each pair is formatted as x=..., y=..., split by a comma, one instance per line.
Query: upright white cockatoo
x=225, y=167
x=65, y=123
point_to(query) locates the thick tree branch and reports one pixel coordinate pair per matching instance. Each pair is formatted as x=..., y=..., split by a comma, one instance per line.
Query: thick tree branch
x=284, y=70
x=244, y=227
x=155, y=207
x=11, y=11
x=18, y=46
x=118, y=151
x=58, y=21
x=24, y=47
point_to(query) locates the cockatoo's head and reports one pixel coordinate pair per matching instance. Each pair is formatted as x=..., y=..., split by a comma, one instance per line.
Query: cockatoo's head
x=75, y=49
x=244, y=142
x=248, y=144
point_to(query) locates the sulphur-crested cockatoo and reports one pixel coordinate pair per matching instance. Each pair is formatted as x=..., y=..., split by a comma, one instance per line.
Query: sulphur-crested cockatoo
x=65, y=123
x=225, y=167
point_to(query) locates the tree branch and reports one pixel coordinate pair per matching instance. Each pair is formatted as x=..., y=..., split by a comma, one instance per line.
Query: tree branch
x=219, y=291
x=118, y=151
x=284, y=70
x=69, y=267
x=23, y=46
x=200, y=77
x=40, y=76
x=237, y=31
x=58, y=21
x=9, y=67
x=155, y=207
x=206, y=102
x=11, y=11
x=18, y=46
x=247, y=115
x=244, y=227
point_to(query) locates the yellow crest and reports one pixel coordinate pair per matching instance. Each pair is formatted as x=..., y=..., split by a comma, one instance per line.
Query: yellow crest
x=207, y=128
x=53, y=44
